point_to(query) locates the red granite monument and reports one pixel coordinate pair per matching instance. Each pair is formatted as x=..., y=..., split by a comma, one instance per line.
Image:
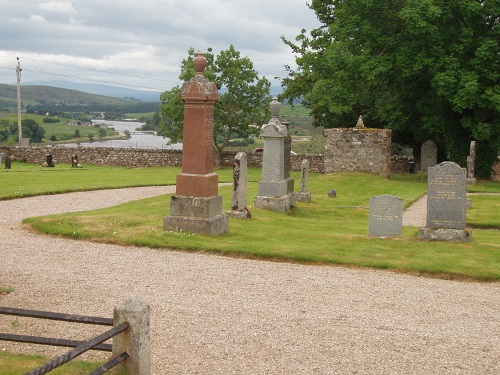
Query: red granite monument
x=197, y=207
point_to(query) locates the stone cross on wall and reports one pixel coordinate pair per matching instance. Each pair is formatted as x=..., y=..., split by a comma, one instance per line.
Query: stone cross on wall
x=197, y=207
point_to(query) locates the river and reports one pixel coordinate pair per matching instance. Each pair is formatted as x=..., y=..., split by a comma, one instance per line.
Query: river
x=135, y=141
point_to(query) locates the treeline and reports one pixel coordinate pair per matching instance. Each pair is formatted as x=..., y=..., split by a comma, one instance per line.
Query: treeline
x=136, y=107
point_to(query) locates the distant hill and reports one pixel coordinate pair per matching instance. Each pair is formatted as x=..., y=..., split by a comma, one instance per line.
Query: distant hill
x=106, y=90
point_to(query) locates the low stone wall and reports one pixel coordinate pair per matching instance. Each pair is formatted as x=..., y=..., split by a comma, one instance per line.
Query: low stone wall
x=133, y=157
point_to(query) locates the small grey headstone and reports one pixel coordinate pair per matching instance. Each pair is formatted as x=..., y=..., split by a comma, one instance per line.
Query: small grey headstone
x=386, y=216
x=304, y=195
x=428, y=155
x=332, y=193
x=8, y=162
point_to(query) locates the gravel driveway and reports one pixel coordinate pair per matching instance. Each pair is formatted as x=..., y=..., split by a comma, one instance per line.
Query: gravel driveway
x=217, y=315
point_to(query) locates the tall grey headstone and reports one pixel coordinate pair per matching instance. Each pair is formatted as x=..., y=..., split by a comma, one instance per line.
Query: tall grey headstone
x=446, y=204
x=275, y=190
x=304, y=195
x=471, y=164
x=428, y=155
x=386, y=216
x=8, y=162
x=240, y=176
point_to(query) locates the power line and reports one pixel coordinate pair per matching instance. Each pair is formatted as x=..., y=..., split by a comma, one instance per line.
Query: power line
x=98, y=70
x=88, y=79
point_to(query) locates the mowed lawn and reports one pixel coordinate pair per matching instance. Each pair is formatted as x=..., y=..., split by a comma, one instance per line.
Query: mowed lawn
x=326, y=231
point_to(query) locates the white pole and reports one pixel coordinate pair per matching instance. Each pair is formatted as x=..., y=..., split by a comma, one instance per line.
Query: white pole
x=18, y=73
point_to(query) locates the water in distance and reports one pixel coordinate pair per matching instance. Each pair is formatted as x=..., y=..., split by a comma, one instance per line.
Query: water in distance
x=135, y=141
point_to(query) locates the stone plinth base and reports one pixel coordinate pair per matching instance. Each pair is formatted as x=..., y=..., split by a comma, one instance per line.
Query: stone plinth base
x=303, y=196
x=445, y=234
x=197, y=215
x=278, y=204
x=273, y=188
x=212, y=226
x=240, y=214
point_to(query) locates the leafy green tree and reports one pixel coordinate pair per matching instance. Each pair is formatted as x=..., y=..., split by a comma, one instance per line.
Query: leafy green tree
x=32, y=130
x=244, y=97
x=423, y=68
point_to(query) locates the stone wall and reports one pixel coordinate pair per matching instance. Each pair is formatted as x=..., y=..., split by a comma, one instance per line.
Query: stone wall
x=131, y=157
x=358, y=149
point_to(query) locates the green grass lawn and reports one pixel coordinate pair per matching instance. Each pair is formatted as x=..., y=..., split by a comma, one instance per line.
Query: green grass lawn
x=325, y=231
x=18, y=364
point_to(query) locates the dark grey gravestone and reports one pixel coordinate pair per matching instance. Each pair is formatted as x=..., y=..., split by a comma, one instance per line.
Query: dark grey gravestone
x=446, y=196
x=386, y=216
x=49, y=161
x=428, y=155
x=8, y=162
x=446, y=204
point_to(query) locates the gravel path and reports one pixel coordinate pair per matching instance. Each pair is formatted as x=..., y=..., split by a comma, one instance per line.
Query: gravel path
x=219, y=315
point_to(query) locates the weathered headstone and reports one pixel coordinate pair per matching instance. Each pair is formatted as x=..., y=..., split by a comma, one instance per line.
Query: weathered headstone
x=446, y=204
x=275, y=191
x=197, y=207
x=239, y=207
x=74, y=161
x=304, y=195
x=428, y=155
x=471, y=164
x=8, y=162
x=49, y=161
x=386, y=216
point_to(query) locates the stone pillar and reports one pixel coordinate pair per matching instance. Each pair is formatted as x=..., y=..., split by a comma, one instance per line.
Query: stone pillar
x=274, y=189
x=135, y=340
x=197, y=207
x=240, y=176
x=304, y=195
x=8, y=162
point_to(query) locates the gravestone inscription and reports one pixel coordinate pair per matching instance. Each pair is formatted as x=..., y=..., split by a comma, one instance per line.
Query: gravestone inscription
x=386, y=216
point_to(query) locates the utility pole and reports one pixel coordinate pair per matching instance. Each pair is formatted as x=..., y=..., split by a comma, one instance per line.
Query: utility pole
x=18, y=72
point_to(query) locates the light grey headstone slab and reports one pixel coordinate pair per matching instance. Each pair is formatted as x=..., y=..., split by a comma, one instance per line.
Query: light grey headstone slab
x=428, y=155
x=386, y=216
x=240, y=176
x=446, y=196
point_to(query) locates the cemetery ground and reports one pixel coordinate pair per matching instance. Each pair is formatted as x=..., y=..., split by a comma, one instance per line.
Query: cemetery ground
x=326, y=231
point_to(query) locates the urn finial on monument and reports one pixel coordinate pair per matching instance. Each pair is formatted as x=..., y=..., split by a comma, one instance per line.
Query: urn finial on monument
x=200, y=63
x=275, y=108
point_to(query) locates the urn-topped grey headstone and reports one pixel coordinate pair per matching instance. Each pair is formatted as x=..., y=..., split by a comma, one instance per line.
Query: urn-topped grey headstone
x=386, y=216
x=446, y=204
x=428, y=155
x=275, y=190
x=304, y=195
x=240, y=175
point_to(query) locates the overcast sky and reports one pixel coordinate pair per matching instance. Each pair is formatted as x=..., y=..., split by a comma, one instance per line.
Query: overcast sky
x=145, y=38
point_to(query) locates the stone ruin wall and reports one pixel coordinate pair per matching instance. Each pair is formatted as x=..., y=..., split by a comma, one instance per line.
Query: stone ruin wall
x=132, y=157
x=358, y=150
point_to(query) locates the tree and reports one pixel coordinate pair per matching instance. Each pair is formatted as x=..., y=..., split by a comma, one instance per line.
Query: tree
x=244, y=98
x=423, y=68
x=32, y=130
